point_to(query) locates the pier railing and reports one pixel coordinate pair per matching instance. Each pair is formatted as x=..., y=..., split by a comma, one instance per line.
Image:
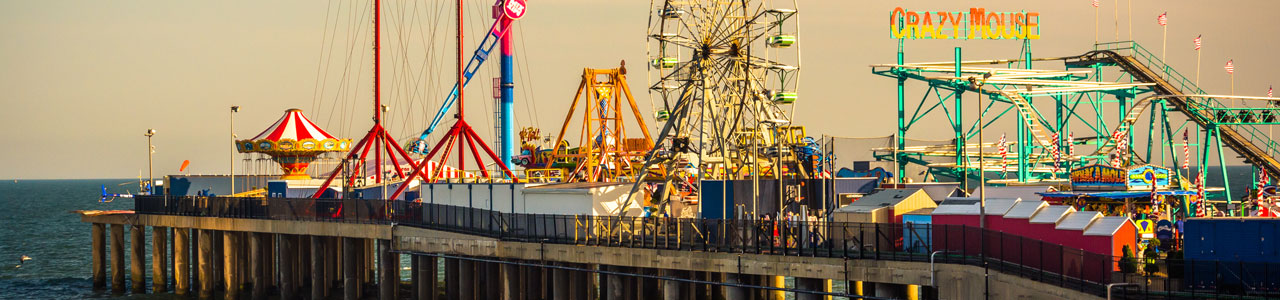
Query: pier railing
x=1029, y=258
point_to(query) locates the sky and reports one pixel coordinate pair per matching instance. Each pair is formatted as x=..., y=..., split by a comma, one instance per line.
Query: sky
x=81, y=81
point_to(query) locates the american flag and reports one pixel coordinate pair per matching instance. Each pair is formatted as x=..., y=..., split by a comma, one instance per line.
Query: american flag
x=1121, y=150
x=1262, y=182
x=1186, y=150
x=1057, y=156
x=1163, y=19
x=1095, y=3
x=1270, y=89
x=1200, y=209
x=1198, y=41
x=1004, y=154
x=1231, y=66
x=1071, y=144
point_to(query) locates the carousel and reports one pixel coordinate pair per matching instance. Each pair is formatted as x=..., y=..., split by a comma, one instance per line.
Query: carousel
x=293, y=142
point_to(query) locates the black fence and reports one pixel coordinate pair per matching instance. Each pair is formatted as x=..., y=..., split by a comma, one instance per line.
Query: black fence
x=1011, y=254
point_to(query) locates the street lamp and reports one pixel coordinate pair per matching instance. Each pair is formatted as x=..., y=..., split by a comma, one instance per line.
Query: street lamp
x=982, y=186
x=232, y=155
x=151, y=180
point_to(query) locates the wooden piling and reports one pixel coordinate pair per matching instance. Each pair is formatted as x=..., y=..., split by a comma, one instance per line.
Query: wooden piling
x=99, y=254
x=137, y=259
x=159, y=256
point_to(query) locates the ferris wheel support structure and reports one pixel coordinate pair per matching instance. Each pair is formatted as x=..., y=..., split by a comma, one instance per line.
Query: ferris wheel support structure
x=725, y=101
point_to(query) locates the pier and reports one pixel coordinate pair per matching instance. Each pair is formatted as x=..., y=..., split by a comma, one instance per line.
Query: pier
x=253, y=248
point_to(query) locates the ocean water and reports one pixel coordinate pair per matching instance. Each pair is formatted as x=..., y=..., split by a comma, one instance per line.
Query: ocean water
x=38, y=223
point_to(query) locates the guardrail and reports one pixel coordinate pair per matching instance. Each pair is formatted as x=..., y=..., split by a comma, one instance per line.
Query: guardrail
x=1011, y=254
x=1253, y=134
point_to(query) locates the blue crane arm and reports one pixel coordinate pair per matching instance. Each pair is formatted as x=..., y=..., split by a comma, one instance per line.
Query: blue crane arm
x=500, y=26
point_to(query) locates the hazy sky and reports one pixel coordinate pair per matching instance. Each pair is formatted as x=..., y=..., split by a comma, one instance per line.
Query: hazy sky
x=81, y=81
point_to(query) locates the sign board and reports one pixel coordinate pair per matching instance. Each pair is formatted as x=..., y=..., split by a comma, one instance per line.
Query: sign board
x=1146, y=228
x=514, y=9
x=1098, y=178
x=1142, y=177
x=975, y=24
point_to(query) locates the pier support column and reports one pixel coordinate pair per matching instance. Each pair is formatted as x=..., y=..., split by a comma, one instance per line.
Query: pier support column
x=159, y=255
x=812, y=284
x=646, y=288
x=388, y=268
x=219, y=274
x=560, y=284
x=423, y=276
x=466, y=280
x=734, y=292
x=778, y=282
x=350, y=277
x=492, y=275
x=318, y=275
x=533, y=283
x=230, y=259
x=205, y=263
x=304, y=264
x=671, y=289
x=581, y=285
x=288, y=256
x=269, y=260
x=452, y=276
x=332, y=277
x=368, y=272
x=257, y=262
x=181, y=261
x=137, y=259
x=863, y=288
x=614, y=284
x=99, y=252
x=511, y=282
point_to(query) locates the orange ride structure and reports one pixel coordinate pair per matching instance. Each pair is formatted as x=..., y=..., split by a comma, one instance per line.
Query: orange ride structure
x=293, y=142
x=605, y=154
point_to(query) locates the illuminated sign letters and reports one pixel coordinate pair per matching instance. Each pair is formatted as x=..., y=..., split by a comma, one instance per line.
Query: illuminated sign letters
x=975, y=24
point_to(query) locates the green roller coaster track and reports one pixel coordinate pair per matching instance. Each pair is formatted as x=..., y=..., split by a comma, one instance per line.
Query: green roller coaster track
x=1141, y=84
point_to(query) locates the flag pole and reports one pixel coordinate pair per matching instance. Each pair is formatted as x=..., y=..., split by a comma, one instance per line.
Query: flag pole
x=1095, y=24
x=1164, y=46
x=1117, y=20
x=1197, y=67
x=1130, y=20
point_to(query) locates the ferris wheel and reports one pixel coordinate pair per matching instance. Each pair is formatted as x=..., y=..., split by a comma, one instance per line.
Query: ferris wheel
x=725, y=75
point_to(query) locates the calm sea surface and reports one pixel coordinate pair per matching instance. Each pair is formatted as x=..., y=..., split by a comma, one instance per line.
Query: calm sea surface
x=39, y=223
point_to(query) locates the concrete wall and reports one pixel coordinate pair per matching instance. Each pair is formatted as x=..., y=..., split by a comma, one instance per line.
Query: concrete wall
x=954, y=281
x=598, y=201
x=505, y=197
x=559, y=201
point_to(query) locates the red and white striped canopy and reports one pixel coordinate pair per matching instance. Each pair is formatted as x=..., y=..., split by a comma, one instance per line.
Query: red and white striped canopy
x=294, y=126
x=293, y=135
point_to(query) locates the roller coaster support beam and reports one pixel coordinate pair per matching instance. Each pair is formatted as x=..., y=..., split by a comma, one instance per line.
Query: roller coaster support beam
x=956, y=124
x=899, y=138
x=1212, y=135
x=1025, y=145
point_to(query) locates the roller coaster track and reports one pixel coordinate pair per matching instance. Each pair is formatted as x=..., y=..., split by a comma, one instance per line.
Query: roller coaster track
x=1232, y=136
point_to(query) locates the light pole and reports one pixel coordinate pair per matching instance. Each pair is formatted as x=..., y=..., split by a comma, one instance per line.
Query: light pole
x=234, y=109
x=982, y=186
x=151, y=180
